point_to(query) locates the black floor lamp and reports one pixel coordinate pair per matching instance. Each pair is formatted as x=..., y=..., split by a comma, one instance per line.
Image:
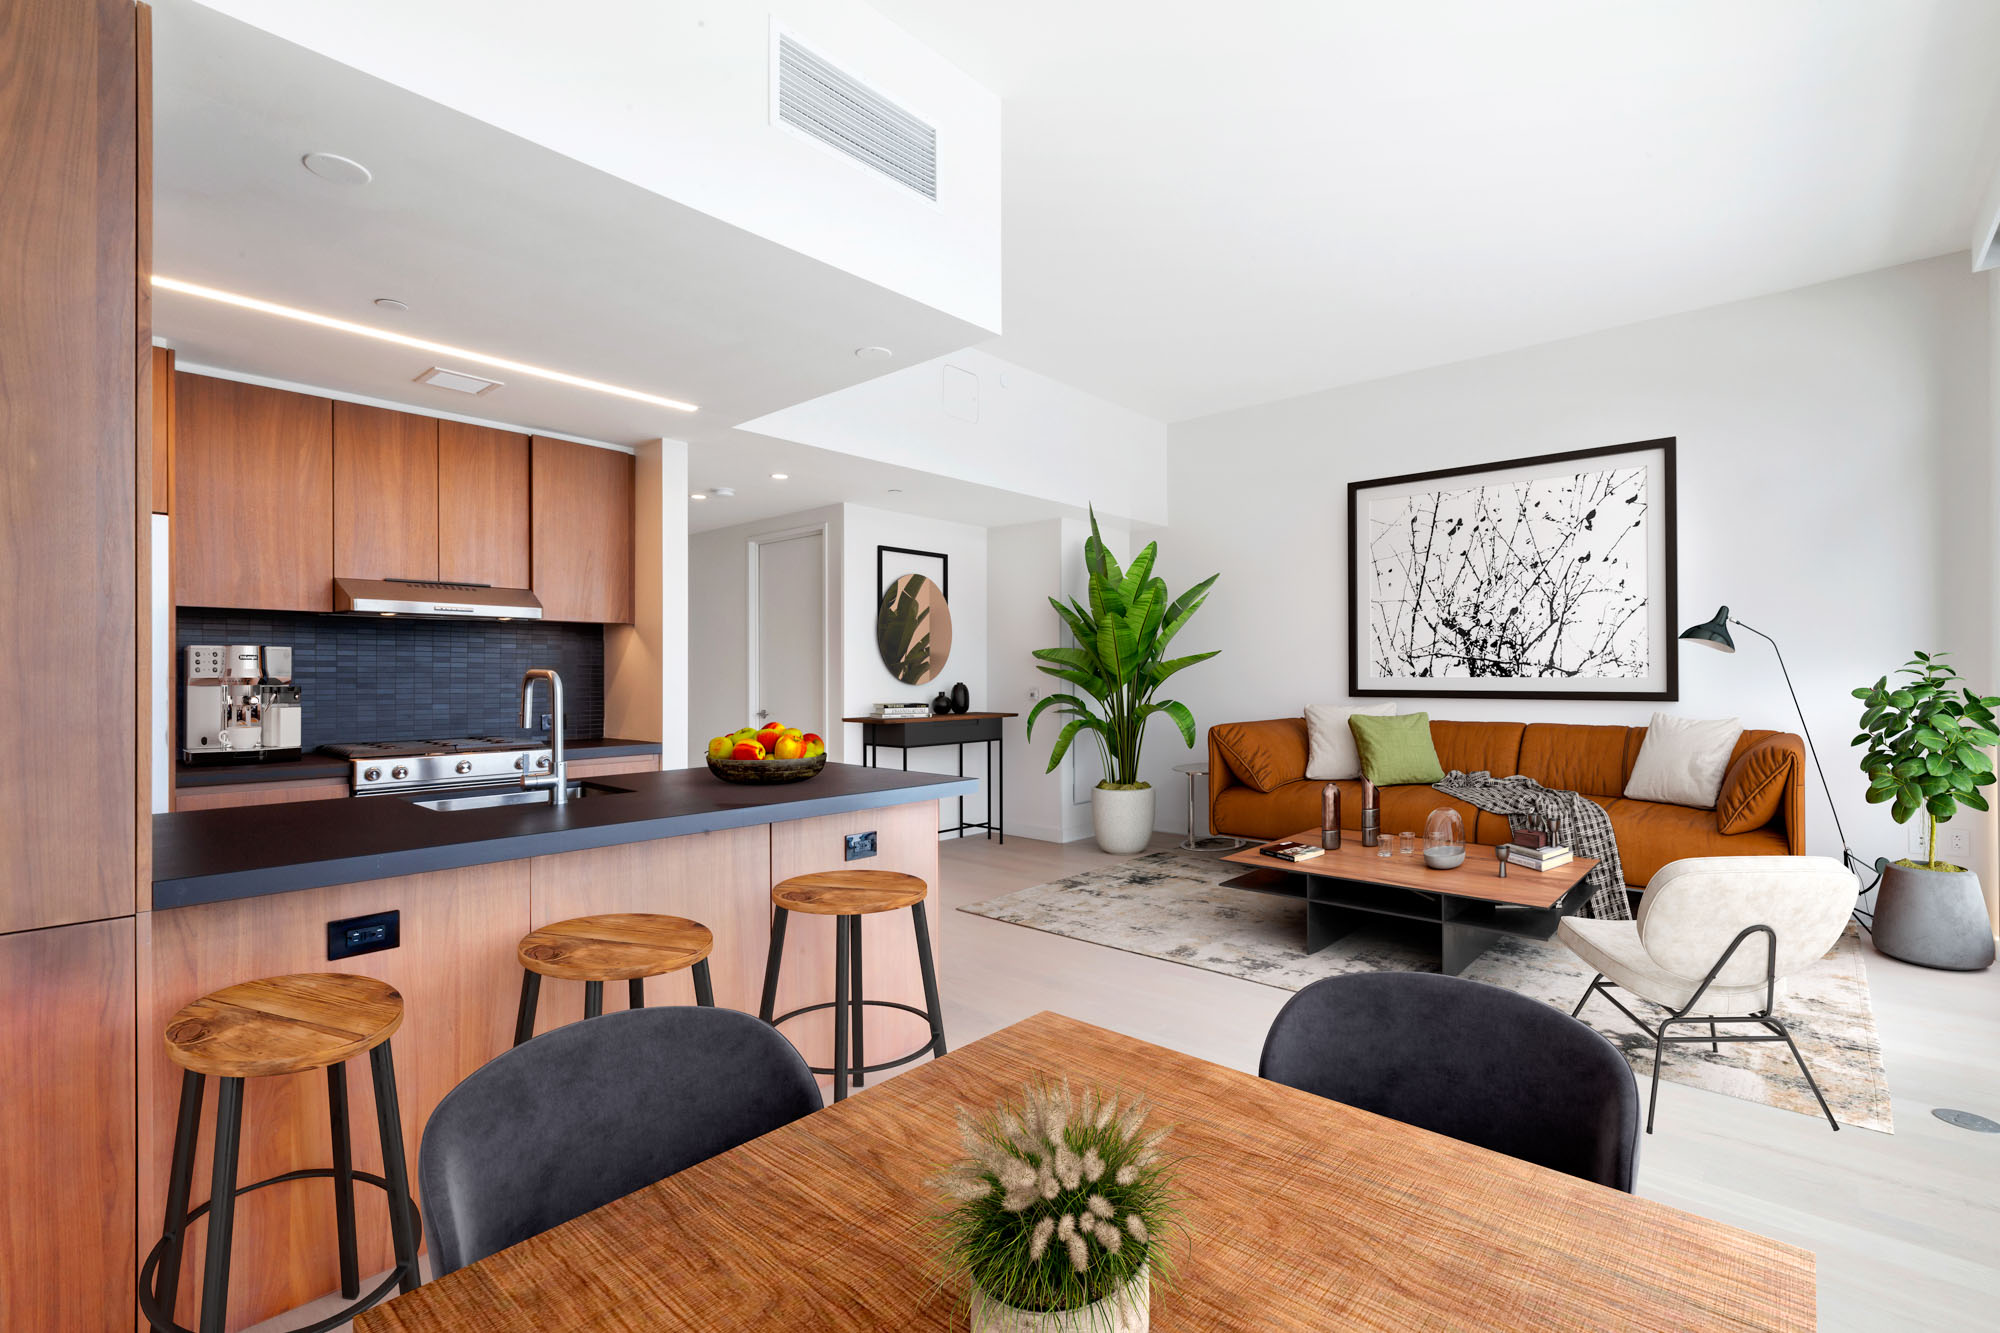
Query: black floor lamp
x=1715, y=634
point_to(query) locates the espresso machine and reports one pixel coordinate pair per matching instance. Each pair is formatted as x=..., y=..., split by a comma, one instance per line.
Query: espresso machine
x=238, y=703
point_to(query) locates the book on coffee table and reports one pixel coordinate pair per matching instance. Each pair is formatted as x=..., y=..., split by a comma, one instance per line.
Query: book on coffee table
x=1292, y=851
x=1537, y=858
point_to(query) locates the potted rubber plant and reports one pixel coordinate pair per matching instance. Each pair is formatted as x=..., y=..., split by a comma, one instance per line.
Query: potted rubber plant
x=1926, y=740
x=1117, y=664
x=1058, y=1214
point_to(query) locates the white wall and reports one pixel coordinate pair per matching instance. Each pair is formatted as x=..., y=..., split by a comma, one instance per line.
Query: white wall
x=646, y=662
x=1824, y=433
x=1019, y=432
x=674, y=96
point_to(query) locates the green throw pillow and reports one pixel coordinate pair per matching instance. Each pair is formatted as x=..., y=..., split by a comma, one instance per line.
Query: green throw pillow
x=1396, y=750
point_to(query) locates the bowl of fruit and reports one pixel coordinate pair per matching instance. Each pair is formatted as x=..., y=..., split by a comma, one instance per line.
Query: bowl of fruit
x=774, y=753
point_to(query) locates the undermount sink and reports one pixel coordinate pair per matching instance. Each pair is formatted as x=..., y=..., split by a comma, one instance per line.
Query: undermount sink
x=483, y=800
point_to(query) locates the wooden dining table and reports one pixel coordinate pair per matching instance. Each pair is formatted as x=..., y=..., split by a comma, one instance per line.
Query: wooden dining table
x=1297, y=1214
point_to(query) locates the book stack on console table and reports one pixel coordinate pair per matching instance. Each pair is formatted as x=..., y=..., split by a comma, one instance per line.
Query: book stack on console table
x=918, y=709
x=1536, y=858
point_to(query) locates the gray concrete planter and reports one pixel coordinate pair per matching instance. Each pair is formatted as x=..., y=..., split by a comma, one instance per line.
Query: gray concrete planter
x=1933, y=918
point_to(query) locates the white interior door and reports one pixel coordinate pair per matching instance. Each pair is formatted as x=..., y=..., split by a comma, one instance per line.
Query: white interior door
x=789, y=674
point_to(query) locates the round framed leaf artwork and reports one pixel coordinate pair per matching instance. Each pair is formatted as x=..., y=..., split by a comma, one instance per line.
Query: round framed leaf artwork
x=913, y=629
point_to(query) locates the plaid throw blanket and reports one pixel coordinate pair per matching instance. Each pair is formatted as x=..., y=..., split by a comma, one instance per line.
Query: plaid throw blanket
x=1586, y=828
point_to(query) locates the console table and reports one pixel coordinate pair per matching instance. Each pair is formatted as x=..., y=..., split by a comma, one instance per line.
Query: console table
x=960, y=729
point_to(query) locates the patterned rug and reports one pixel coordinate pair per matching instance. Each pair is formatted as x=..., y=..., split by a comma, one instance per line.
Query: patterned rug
x=1171, y=905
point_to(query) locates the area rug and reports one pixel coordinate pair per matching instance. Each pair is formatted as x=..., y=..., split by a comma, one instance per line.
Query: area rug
x=1171, y=905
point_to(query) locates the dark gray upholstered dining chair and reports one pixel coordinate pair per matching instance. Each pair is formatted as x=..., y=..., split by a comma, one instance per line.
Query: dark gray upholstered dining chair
x=592, y=1111
x=1483, y=1065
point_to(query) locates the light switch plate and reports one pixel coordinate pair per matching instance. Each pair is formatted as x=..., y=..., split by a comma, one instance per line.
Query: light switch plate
x=860, y=846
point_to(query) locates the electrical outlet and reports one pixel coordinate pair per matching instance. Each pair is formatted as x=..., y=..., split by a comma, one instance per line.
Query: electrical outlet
x=1919, y=838
x=1034, y=693
x=1955, y=844
x=364, y=934
x=860, y=846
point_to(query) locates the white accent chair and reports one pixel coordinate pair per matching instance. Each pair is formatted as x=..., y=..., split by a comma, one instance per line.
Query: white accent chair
x=1715, y=938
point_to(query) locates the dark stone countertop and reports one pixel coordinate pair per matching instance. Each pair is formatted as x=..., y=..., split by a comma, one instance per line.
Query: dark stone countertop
x=318, y=765
x=203, y=856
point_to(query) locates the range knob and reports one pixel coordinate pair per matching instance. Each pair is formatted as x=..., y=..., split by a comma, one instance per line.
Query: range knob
x=399, y=772
x=541, y=761
x=518, y=761
x=463, y=766
x=372, y=775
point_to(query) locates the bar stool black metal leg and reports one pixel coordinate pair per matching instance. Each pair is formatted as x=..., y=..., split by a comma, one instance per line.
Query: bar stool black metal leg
x=395, y=1170
x=931, y=1005
x=531, y=992
x=636, y=993
x=841, y=956
x=593, y=999
x=180, y=1179
x=704, y=990
x=343, y=1180
x=858, y=1003
x=222, y=1205
x=769, y=1006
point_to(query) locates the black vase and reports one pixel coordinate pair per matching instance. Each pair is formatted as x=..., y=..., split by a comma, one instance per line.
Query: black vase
x=941, y=705
x=961, y=698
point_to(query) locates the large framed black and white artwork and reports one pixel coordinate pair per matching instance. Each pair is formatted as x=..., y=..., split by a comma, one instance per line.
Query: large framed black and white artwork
x=1534, y=578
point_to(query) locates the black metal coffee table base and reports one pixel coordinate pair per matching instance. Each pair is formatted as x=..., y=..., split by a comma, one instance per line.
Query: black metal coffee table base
x=1466, y=927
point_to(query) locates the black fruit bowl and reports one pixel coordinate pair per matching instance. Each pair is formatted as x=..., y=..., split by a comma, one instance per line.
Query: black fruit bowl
x=755, y=771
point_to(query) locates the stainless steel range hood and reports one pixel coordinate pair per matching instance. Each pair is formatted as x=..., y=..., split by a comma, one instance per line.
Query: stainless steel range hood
x=434, y=601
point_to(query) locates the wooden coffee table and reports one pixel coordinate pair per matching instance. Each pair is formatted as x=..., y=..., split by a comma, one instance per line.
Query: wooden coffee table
x=1471, y=905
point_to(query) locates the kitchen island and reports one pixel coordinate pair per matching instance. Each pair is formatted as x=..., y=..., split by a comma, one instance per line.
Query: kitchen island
x=251, y=892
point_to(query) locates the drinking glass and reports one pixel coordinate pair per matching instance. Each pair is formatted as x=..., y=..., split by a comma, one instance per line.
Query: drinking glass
x=1406, y=843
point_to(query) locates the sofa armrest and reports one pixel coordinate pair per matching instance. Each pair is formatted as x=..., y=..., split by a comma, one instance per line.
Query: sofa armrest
x=1221, y=777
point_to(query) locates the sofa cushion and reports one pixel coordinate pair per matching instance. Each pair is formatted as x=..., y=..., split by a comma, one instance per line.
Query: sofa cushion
x=1754, y=788
x=1248, y=813
x=1563, y=757
x=1404, y=810
x=1330, y=752
x=1476, y=747
x=1650, y=834
x=1683, y=760
x=1396, y=750
x=1266, y=755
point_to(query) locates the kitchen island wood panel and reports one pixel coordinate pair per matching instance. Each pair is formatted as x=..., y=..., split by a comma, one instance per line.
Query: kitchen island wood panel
x=66, y=1131
x=253, y=496
x=482, y=506
x=261, y=793
x=582, y=503
x=385, y=493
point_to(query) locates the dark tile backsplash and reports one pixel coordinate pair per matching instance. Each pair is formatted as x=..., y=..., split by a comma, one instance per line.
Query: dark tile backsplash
x=378, y=679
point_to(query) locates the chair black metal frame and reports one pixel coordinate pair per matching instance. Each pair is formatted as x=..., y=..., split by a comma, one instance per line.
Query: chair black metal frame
x=593, y=996
x=848, y=1010
x=1776, y=1030
x=159, y=1275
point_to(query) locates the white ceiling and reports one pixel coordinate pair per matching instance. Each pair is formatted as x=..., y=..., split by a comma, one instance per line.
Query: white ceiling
x=1210, y=205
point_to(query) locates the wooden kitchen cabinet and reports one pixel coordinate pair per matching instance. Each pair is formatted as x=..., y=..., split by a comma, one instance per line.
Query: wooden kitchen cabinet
x=253, y=497
x=163, y=430
x=482, y=506
x=582, y=518
x=385, y=493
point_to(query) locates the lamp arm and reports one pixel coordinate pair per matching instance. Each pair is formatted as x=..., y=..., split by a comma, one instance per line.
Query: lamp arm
x=1814, y=750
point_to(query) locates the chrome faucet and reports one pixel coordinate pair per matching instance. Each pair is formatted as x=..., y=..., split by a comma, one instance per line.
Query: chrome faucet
x=557, y=779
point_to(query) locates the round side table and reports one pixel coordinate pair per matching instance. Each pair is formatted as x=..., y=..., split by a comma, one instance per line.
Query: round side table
x=1196, y=772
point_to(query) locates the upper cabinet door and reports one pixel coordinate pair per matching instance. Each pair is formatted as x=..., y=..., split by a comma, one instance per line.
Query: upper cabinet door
x=482, y=505
x=385, y=494
x=253, y=497
x=582, y=531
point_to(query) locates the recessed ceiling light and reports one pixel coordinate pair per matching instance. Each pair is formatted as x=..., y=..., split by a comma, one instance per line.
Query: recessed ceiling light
x=873, y=353
x=781, y=476
x=696, y=495
x=340, y=170
x=391, y=303
x=421, y=344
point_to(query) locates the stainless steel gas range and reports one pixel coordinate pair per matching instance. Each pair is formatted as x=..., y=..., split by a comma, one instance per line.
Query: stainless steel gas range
x=401, y=768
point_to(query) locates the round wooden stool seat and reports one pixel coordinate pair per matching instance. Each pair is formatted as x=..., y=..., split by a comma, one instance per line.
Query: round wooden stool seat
x=283, y=1025
x=617, y=946
x=849, y=892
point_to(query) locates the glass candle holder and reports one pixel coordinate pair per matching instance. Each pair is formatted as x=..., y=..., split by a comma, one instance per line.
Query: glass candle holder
x=1444, y=839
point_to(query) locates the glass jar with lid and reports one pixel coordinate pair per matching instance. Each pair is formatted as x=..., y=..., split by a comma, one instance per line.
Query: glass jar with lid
x=1444, y=839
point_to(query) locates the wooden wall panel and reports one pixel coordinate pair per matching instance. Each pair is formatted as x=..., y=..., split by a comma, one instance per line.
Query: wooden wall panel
x=260, y=793
x=906, y=842
x=66, y=1133
x=582, y=504
x=253, y=496
x=68, y=479
x=604, y=768
x=719, y=879
x=482, y=504
x=162, y=400
x=457, y=974
x=385, y=493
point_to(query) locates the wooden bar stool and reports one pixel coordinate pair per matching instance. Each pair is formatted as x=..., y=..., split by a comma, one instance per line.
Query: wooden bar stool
x=618, y=946
x=847, y=896
x=280, y=1025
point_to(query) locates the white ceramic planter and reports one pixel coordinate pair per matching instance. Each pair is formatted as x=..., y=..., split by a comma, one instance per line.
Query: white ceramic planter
x=1128, y=1311
x=1123, y=819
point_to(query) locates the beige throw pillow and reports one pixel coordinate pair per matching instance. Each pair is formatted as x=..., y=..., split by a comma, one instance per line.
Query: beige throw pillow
x=1331, y=756
x=1683, y=760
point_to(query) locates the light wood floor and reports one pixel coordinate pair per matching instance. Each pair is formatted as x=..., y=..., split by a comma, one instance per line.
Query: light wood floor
x=1906, y=1226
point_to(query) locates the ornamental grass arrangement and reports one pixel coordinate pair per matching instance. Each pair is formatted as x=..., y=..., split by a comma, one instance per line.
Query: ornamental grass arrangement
x=1058, y=1213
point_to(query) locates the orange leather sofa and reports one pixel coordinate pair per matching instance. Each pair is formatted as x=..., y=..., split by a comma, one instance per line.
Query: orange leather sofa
x=1257, y=788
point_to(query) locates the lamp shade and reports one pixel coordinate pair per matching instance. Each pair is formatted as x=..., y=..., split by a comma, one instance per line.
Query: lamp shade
x=1713, y=633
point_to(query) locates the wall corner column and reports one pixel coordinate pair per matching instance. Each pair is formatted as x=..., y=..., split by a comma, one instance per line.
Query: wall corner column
x=646, y=662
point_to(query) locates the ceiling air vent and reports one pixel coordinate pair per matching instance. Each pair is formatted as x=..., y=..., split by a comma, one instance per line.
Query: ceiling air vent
x=461, y=380
x=826, y=103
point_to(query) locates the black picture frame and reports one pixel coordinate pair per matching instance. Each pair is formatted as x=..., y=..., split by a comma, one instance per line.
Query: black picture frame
x=944, y=571
x=1663, y=646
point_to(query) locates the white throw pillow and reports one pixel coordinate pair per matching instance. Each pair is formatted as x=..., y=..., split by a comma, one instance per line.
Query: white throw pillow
x=1683, y=760
x=1331, y=754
